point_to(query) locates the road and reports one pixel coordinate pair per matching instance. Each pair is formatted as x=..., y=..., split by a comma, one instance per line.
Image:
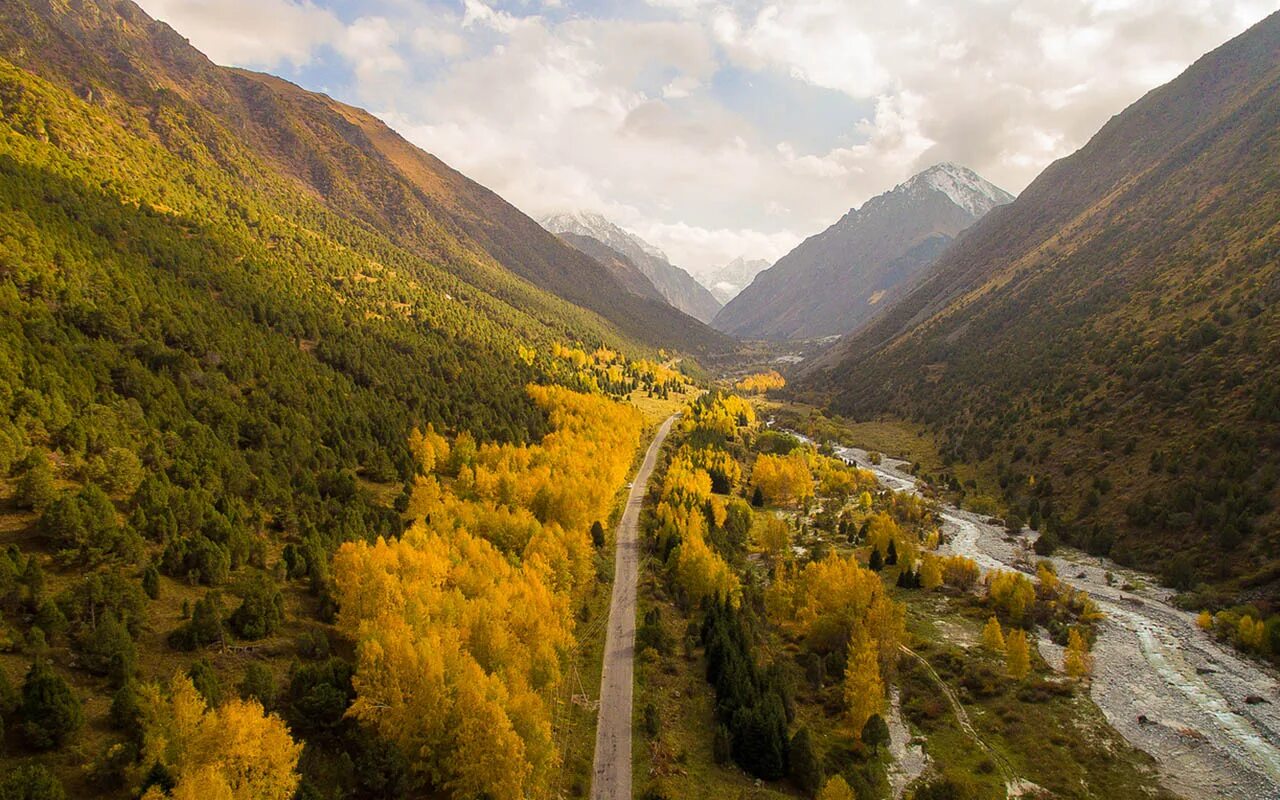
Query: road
x=611, y=770
x=1209, y=716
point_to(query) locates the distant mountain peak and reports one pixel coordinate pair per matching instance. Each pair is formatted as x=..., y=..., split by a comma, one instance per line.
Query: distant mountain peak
x=600, y=228
x=961, y=185
x=674, y=284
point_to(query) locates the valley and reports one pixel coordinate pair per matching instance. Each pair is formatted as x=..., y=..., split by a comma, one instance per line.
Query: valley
x=536, y=434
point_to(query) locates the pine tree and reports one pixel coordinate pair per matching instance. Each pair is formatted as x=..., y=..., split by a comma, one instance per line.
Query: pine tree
x=876, y=562
x=892, y=557
x=50, y=712
x=597, y=534
x=836, y=789
x=805, y=766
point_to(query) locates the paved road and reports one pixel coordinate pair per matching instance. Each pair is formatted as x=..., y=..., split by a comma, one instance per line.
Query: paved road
x=611, y=772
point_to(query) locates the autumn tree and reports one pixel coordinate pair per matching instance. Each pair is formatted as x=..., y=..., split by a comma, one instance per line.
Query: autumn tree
x=836, y=788
x=1017, y=654
x=863, y=687
x=235, y=751
x=993, y=637
x=1077, y=660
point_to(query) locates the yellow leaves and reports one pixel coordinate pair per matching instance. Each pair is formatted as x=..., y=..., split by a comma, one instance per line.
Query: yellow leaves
x=863, y=687
x=1017, y=657
x=784, y=480
x=703, y=574
x=772, y=535
x=526, y=354
x=993, y=637
x=960, y=572
x=1204, y=621
x=1251, y=632
x=464, y=622
x=233, y=752
x=720, y=413
x=836, y=788
x=1013, y=593
x=761, y=382
x=1077, y=661
x=930, y=572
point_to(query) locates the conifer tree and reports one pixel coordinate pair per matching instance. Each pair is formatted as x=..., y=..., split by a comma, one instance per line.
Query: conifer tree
x=993, y=637
x=1017, y=654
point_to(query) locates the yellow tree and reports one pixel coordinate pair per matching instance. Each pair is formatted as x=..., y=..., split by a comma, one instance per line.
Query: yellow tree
x=930, y=572
x=863, y=687
x=836, y=788
x=993, y=637
x=772, y=535
x=1077, y=661
x=1017, y=654
x=233, y=752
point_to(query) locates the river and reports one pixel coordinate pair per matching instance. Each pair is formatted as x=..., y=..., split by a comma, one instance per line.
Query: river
x=1164, y=684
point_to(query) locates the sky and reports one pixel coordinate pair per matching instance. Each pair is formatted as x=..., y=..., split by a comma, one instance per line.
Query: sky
x=722, y=129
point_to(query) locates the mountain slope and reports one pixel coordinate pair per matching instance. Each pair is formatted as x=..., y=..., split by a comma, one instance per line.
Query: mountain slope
x=111, y=51
x=622, y=268
x=677, y=286
x=834, y=281
x=727, y=281
x=1115, y=332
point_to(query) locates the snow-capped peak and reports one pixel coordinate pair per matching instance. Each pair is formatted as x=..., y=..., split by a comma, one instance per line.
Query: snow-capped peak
x=598, y=227
x=963, y=186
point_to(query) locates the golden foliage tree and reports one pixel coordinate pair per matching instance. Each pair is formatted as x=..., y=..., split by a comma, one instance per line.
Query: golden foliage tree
x=1017, y=654
x=836, y=788
x=863, y=686
x=235, y=751
x=1077, y=661
x=783, y=480
x=993, y=637
x=761, y=382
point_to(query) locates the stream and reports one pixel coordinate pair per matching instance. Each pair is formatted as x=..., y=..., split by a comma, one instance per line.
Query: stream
x=1165, y=685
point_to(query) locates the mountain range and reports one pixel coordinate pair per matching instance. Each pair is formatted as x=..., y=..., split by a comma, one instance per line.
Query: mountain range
x=728, y=280
x=1109, y=343
x=835, y=280
x=623, y=249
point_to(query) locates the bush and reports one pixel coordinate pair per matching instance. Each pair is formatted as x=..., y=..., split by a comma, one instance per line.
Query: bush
x=1046, y=544
x=805, y=766
x=50, y=712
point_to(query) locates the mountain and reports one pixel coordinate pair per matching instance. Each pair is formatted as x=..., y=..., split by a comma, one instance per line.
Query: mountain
x=677, y=286
x=727, y=281
x=110, y=51
x=1115, y=332
x=836, y=280
x=621, y=267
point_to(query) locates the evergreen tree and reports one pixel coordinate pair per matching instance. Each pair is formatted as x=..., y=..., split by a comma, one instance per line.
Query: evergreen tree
x=597, y=534
x=876, y=562
x=805, y=766
x=206, y=682
x=31, y=782
x=892, y=557
x=757, y=498
x=875, y=731
x=151, y=582
x=50, y=712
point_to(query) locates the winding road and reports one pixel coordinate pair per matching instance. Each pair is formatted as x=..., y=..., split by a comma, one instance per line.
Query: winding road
x=611, y=770
x=1209, y=716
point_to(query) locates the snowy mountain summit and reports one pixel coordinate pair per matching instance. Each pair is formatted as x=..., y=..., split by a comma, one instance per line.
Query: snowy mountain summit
x=598, y=227
x=963, y=186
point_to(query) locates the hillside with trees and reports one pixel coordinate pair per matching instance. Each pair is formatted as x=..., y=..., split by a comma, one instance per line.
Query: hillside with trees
x=1106, y=346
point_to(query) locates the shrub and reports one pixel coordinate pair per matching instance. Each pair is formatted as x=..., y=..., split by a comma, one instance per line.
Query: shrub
x=31, y=782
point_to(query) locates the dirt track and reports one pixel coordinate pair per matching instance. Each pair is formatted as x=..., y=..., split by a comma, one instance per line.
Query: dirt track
x=611, y=770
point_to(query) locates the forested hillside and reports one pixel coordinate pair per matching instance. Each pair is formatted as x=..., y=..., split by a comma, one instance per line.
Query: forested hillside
x=210, y=371
x=258, y=128
x=1109, y=344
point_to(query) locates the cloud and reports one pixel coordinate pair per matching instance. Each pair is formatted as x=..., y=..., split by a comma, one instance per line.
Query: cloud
x=265, y=33
x=679, y=119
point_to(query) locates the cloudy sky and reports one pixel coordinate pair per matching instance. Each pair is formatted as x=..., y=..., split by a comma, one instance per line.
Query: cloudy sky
x=717, y=129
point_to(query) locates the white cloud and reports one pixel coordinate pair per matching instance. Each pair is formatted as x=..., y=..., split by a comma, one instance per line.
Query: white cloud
x=628, y=116
x=258, y=32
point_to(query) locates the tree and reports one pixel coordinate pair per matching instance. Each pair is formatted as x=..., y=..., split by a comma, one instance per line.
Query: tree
x=1077, y=661
x=892, y=557
x=805, y=766
x=837, y=788
x=757, y=498
x=597, y=534
x=31, y=782
x=875, y=732
x=109, y=650
x=50, y=712
x=258, y=684
x=1017, y=654
x=235, y=751
x=876, y=562
x=204, y=627
x=260, y=612
x=863, y=686
x=202, y=676
x=151, y=582
x=993, y=637
x=35, y=489
x=1046, y=544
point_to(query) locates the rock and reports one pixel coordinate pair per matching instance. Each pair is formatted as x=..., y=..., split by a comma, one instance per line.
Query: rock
x=1254, y=700
x=1206, y=671
x=1142, y=720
